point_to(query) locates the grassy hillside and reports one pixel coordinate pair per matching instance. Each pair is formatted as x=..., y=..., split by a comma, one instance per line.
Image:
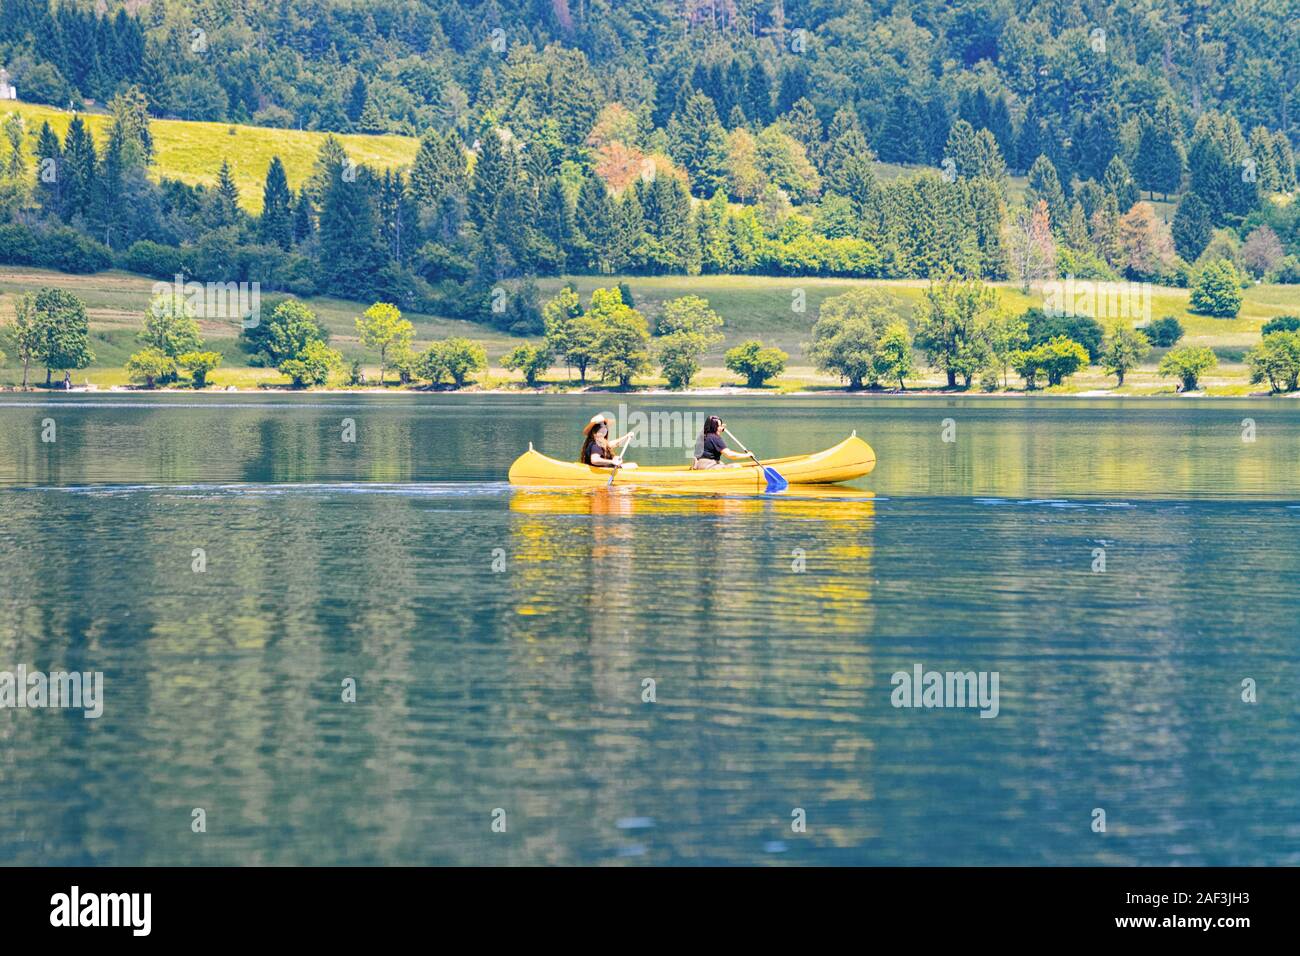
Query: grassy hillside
x=763, y=307
x=751, y=306
x=192, y=152
x=116, y=302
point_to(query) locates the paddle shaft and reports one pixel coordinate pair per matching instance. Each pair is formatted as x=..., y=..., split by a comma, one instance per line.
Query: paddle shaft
x=743, y=448
x=621, y=441
x=775, y=481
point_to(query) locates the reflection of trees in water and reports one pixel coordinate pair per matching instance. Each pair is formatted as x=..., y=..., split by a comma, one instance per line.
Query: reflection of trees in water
x=1190, y=603
x=1049, y=447
x=37, y=632
x=116, y=443
x=223, y=687
x=523, y=689
x=1046, y=446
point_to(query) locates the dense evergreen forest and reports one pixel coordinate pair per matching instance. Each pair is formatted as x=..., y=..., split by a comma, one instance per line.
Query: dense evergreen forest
x=669, y=136
x=901, y=67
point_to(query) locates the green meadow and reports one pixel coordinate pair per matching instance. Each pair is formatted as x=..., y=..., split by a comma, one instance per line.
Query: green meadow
x=769, y=308
x=115, y=302
x=779, y=311
x=193, y=152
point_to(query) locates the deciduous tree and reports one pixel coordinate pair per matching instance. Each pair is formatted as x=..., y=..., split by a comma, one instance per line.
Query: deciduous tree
x=951, y=330
x=756, y=363
x=620, y=348
x=1216, y=290
x=1187, y=363
x=61, y=330
x=1124, y=350
x=382, y=327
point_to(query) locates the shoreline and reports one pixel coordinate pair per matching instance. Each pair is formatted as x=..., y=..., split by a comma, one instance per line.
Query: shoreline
x=648, y=391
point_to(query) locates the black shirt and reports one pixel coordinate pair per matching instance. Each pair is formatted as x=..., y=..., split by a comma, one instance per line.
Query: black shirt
x=713, y=445
x=593, y=448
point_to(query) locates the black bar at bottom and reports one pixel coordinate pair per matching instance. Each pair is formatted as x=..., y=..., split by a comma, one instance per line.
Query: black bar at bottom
x=338, y=905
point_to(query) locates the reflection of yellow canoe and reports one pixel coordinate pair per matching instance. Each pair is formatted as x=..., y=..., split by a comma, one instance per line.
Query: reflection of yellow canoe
x=851, y=458
x=822, y=502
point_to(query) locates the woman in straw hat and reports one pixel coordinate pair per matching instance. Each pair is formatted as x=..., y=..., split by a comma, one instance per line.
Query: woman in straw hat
x=599, y=450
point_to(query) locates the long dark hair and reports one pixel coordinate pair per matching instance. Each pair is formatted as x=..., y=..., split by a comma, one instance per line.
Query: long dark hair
x=589, y=435
x=712, y=424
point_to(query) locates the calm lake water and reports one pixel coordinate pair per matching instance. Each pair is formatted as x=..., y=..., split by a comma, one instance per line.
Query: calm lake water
x=1122, y=567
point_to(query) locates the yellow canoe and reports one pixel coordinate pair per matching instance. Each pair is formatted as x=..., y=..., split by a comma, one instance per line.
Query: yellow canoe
x=851, y=458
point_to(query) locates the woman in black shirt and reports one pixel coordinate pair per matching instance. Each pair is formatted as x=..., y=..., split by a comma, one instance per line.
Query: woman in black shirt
x=598, y=450
x=711, y=447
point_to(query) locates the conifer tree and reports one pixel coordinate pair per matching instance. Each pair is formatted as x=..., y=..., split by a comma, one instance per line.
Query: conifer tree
x=558, y=225
x=1158, y=165
x=627, y=245
x=1075, y=232
x=1031, y=138
x=304, y=217
x=1045, y=185
x=847, y=144
x=397, y=216
x=857, y=183
x=350, y=251
x=1284, y=162
x=802, y=123
x=49, y=172
x=1097, y=141
x=1120, y=184
x=79, y=167
x=936, y=122
x=494, y=170
x=594, y=217
x=1192, y=227
x=901, y=139
x=223, y=207
x=106, y=211
x=1267, y=174
x=329, y=159
x=698, y=142
x=792, y=85
x=962, y=148
x=438, y=184
x=357, y=98
x=276, y=225
x=758, y=94
x=130, y=128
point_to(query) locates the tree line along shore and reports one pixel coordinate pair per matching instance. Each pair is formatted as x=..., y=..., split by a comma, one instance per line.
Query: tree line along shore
x=954, y=334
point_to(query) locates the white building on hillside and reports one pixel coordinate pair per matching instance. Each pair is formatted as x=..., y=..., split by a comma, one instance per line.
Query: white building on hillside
x=7, y=90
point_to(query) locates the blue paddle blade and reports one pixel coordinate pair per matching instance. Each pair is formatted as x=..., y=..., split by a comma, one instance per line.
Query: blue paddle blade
x=775, y=482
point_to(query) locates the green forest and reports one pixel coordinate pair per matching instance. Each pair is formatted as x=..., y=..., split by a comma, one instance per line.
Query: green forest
x=987, y=140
